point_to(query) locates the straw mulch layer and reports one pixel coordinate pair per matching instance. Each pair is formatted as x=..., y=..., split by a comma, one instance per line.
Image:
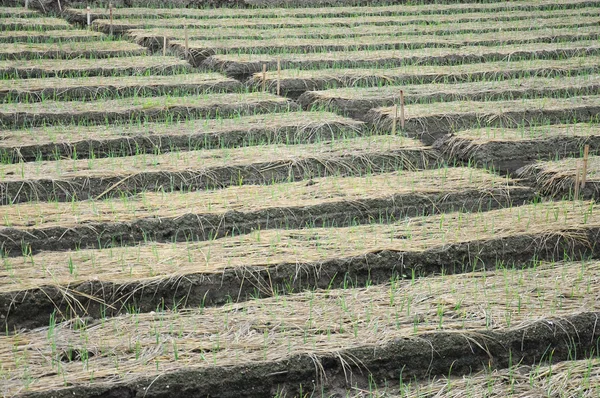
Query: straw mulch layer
x=430, y=122
x=189, y=171
x=198, y=51
x=18, y=12
x=153, y=37
x=206, y=215
x=294, y=82
x=81, y=67
x=55, y=5
x=407, y=330
x=80, y=15
x=73, y=141
x=557, y=178
x=140, y=109
x=571, y=378
x=510, y=149
x=15, y=36
x=357, y=102
x=91, y=88
x=70, y=50
x=122, y=25
x=266, y=263
x=244, y=65
x=38, y=23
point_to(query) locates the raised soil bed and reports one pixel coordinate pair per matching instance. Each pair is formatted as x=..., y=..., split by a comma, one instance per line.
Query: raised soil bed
x=204, y=215
x=193, y=170
x=73, y=141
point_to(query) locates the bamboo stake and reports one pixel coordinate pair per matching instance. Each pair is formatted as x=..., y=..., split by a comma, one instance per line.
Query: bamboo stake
x=59, y=6
x=26, y=4
x=394, y=119
x=164, y=46
x=278, y=75
x=577, y=183
x=110, y=10
x=586, y=152
x=264, y=78
x=187, y=45
x=89, y=16
x=402, y=109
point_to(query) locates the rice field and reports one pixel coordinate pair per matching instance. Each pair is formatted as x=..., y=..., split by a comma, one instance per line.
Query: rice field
x=274, y=198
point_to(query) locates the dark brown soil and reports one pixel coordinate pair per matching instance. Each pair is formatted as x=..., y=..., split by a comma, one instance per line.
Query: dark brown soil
x=162, y=141
x=193, y=227
x=92, y=92
x=431, y=128
x=359, y=108
x=243, y=70
x=260, y=172
x=508, y=156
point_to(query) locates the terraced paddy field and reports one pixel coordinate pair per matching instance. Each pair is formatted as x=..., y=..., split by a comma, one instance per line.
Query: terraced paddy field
x=275, y=200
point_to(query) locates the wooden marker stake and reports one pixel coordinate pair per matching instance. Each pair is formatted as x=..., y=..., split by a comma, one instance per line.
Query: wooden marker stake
x=402, y=109
x=89, y=16
x=187, y=44
x=26, y=4
x=110, y=10
x=164, y=46
x=278, y=75
x=394, y=119
x=264, y=78
x=586, y=152
x=577, y=183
